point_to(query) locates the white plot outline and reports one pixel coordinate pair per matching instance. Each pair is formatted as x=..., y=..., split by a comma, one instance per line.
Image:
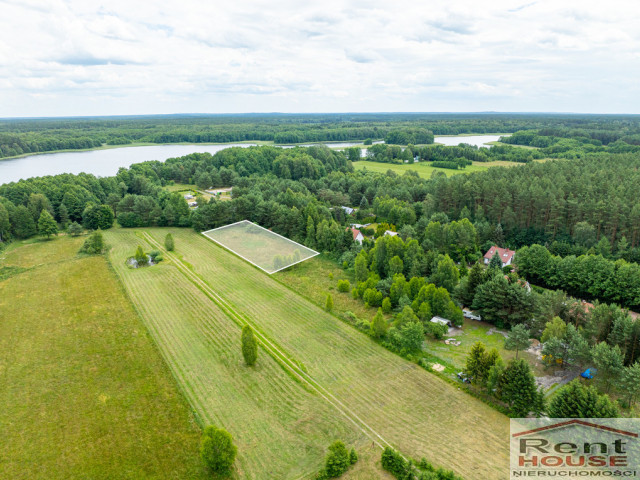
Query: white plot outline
x=266, y=230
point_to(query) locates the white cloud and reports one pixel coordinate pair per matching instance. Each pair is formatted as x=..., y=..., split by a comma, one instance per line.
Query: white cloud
x=79, y=58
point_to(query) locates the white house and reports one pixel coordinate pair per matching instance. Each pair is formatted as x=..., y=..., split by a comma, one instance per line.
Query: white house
x=188, y=197
x=506, y=255
x=389, y=233
x=357, y=235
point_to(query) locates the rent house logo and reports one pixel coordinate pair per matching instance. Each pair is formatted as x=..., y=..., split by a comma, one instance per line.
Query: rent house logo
x=575, y=448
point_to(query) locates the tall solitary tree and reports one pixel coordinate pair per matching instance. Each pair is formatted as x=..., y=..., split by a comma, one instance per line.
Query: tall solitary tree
x=217, y=450
x=168, y=242
x=518, y=339
x=517, y=387
x=328, y=306
x=47, y=226
x=249, y=346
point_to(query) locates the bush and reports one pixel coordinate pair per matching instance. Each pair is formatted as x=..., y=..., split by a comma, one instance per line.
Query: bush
x=393, y=462
x=353, y=456
x=338, y=460
x=249, y=346
x=75, y=229
x=140, y=256
x=168, y=242
x=344, y=286
x=328, y=306
x=217, y=450
x=154, y=254
x=94, y=245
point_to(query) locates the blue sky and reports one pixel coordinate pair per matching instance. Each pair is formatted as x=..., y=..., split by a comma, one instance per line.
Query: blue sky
x=140, y=57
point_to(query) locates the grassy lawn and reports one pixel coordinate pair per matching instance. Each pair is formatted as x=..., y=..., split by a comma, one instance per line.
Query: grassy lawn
x=424, y=169
x=410, y=408
x=83, y=390
x=258, y=245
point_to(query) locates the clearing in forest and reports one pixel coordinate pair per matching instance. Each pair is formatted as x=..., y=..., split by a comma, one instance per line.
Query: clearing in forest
x=263, y=248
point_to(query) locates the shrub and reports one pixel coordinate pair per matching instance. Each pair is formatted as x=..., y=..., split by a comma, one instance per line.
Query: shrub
x=75, y=229
x=393, y=462
x=217, y=450
x=353, y=456
x=249, y=346
x=328, y=306
x=94, y=244
x=154, y=254
x=338, y=460
x=168, y=242
x=140, y=256
x=344, y=286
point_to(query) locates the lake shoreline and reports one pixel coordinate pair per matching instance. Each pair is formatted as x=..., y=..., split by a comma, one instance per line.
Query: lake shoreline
x=256, y=142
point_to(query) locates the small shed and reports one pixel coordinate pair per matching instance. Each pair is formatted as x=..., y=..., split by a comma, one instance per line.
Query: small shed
x=441, y=321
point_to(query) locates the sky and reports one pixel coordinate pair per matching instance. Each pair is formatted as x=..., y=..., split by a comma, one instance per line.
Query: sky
x=82, y=57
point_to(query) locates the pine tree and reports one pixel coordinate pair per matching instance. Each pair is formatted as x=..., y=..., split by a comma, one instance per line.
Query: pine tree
x=609, y=362
x=353, y=456
x=5, y=225
x=63, y=214
x=362, y=270
x=249, y=346
x=575, y=400
x=328, y=306
x=379, y=325
x=168, y=242
x=310, y=240
x=629, y=383
x=47, y=225
x=518, y=339
x=517, y=387
x=475, y=362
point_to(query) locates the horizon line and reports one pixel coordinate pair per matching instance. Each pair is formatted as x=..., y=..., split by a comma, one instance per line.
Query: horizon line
x=236, y=114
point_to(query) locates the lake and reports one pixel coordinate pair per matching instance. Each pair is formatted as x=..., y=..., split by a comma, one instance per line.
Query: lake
x=105, y=163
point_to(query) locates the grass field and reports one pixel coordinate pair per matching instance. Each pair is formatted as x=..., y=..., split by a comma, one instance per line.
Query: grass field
x=424, y=169
x=265, y=249
x=83, y=391
x=281, y=429
x=391, y=400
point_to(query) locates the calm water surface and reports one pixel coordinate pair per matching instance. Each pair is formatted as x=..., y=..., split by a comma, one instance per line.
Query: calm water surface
x=106, y=163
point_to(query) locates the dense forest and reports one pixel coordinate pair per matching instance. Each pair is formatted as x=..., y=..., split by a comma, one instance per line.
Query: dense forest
x=25, y=136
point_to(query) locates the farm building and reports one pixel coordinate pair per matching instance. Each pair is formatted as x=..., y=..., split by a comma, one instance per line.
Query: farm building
x=357, y=235
x=441, y=321
x=506, y=255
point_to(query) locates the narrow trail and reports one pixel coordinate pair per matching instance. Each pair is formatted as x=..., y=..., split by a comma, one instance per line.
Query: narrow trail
x=278, y=355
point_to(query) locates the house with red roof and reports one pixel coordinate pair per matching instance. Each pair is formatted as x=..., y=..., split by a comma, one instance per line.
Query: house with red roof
x=506, y=255
x=357, y=235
